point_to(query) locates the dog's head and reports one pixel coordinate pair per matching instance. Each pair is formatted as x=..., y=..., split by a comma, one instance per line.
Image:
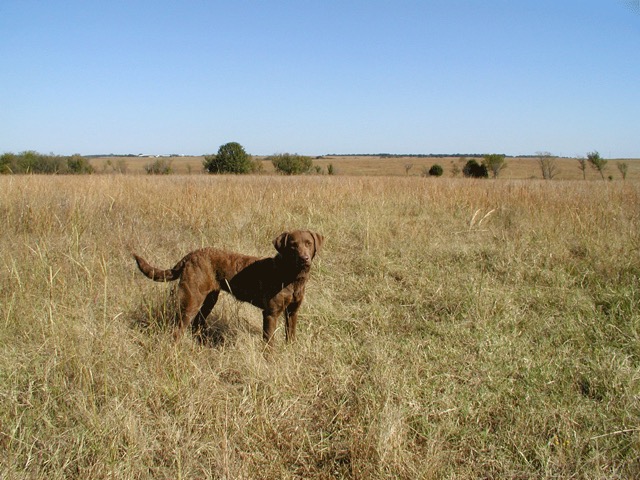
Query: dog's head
x=299, y=246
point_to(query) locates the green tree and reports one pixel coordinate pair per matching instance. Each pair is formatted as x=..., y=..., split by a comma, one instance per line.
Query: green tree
x=291, y=164
x=494, y=163
x=474, y=170
x=78, y=164
x=33, y=162
x=436, y=170
x=8, y=163
x=231, y=158
x=597, y=162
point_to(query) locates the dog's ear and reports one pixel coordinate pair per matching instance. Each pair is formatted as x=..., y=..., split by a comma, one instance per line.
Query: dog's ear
x=281, y=241
x=318, y=239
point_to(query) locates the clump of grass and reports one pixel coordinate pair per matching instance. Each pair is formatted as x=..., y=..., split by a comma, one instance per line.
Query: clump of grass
x=455, y=328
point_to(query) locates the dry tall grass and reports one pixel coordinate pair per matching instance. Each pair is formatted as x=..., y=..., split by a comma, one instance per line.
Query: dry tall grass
x=452, y=328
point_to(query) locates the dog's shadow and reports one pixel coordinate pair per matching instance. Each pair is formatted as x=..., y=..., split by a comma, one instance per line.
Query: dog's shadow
x=157, y=313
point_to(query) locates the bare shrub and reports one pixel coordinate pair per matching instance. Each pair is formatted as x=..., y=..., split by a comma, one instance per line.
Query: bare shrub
x=548, y=165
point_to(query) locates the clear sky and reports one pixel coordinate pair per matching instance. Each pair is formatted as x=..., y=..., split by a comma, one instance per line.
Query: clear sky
x=320, y=76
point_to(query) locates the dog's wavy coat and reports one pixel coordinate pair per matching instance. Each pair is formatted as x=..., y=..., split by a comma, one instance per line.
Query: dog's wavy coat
x=275, y=284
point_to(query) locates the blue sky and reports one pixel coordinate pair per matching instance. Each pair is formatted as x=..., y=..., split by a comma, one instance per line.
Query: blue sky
x=318, y=77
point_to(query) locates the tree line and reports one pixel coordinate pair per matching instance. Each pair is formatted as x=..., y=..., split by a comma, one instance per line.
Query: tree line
x=407, y=155
x=494, y=163
x=233, y=158
x=34, y=162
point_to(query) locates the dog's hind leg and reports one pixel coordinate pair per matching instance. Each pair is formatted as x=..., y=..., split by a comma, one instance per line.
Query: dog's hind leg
x=199, y=322
x=189, y=300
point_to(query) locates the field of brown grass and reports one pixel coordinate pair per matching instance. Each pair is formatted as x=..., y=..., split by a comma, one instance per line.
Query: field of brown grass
x=452, y=328
x=517, y=168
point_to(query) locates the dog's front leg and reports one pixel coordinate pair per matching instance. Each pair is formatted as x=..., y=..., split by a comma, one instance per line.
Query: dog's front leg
x=269, y=322
x=273, y=309
x=291, y=319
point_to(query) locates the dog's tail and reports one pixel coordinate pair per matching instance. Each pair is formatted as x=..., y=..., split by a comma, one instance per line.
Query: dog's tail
x=157, y=274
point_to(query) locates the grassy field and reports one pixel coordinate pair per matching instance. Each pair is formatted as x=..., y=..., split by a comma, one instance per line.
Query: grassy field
x=517, y=168
x=452, y=329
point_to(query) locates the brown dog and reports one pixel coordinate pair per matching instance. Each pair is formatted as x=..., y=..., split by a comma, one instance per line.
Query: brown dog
x=274, y=284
